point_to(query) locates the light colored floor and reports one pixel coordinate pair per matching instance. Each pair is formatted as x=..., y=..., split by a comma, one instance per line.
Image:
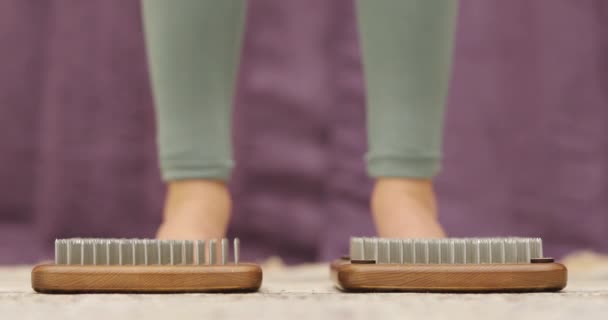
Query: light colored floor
x=305, y=291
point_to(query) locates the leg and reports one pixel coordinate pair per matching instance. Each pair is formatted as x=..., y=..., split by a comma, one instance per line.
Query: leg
x=193, y=48
x=407, y=48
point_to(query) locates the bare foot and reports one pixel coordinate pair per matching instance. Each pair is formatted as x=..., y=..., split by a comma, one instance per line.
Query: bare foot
x=195, y=209
x=405, y=208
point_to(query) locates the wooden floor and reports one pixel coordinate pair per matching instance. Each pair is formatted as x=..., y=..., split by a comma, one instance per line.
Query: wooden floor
x=306, y=291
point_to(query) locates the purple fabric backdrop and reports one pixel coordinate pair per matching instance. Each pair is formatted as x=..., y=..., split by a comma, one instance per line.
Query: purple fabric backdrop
x=526, y=149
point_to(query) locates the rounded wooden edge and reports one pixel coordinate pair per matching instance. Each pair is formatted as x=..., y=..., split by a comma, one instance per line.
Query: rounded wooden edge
x=449, y=278
x=51, y=278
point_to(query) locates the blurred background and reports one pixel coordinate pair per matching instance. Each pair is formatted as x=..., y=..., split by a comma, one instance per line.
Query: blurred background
x=526, y=135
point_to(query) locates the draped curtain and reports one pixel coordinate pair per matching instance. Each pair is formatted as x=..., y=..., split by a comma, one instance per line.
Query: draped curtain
x=525, y=150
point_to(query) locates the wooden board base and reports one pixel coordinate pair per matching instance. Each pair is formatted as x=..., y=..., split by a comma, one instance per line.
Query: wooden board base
x=51, y=278
x=529, y=277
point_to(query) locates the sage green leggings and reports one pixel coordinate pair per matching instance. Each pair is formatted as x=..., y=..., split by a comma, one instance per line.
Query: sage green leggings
x=193, y=52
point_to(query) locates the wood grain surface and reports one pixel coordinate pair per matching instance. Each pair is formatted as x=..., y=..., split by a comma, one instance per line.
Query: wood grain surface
x=51, y=278
x=449, y=277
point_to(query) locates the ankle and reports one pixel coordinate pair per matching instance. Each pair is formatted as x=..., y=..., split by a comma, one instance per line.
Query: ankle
x=203, y=203
x=405, y=208
x=416, y=193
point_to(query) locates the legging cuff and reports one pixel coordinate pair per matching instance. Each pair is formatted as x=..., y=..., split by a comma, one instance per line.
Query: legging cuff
x=403, y=167
x=213, y=171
